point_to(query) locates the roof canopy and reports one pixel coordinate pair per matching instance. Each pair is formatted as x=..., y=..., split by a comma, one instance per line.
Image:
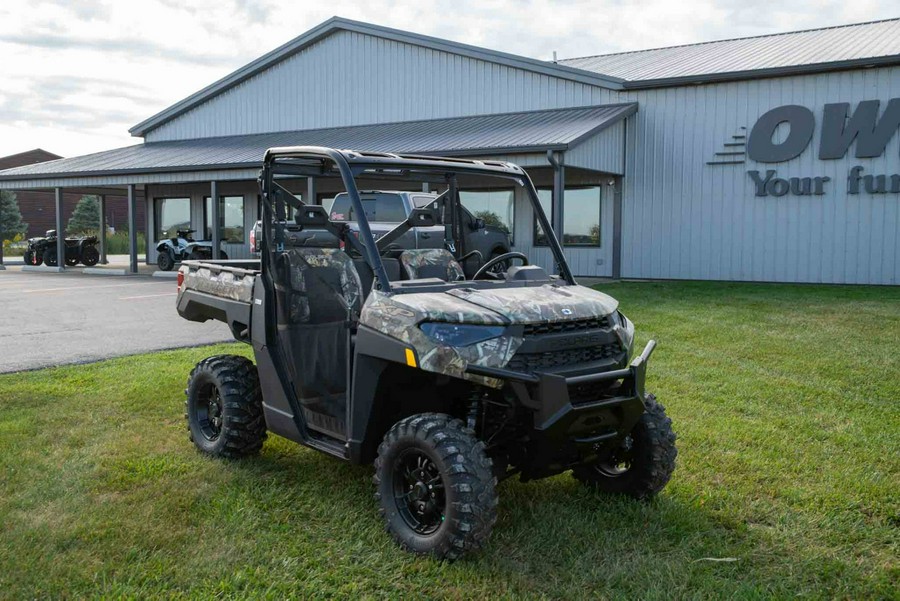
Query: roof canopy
x=482, y=135
x=813, y=50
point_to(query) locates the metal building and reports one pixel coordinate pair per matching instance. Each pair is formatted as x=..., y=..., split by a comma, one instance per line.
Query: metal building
x=773, y=158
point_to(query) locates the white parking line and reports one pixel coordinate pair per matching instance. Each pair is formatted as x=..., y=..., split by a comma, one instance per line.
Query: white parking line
x=147, y=296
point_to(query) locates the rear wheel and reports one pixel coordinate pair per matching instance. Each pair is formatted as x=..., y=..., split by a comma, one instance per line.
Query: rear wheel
x=436, y=487
x=165, y=261
x=50, y=257
x=224, y=407
x=90, y=256
x=642, y=464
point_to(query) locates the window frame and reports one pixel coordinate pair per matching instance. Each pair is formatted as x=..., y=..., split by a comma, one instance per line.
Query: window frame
x=157, y=213
x=535, y=224
x=207, y=217
x=512, y=226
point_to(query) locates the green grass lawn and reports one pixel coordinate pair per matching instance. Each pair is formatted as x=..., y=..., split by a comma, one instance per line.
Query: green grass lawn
x=786, y=400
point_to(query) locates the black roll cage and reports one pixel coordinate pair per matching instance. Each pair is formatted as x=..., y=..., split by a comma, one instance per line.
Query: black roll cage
x=318, y=161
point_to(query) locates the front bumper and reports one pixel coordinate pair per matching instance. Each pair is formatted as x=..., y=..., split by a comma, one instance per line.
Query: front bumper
x=559, y=418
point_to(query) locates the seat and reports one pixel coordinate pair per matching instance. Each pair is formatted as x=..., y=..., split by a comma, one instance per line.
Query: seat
x=367, y=276
x=324, y=284
x=431, y=263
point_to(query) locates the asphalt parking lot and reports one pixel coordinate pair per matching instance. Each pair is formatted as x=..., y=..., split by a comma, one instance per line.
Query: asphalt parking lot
x=51, y=319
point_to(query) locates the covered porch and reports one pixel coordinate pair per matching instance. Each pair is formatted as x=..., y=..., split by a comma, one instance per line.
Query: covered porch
x=575, y=157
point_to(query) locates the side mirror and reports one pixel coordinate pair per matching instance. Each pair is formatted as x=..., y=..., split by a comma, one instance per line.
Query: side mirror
x=478, y=224
x=422, y=217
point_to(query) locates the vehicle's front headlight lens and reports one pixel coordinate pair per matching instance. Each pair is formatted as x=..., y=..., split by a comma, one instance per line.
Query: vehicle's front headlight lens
x=452, y=334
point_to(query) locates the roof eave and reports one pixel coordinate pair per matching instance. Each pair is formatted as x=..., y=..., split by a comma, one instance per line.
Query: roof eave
x=341, y=24
x=810, y=69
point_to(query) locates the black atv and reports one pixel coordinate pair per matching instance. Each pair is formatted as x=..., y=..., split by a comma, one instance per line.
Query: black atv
x=182, y=247
x=81, y=249
x=447, y=383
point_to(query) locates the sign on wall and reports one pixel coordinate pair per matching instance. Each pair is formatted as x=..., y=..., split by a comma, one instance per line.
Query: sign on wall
x=786, y=132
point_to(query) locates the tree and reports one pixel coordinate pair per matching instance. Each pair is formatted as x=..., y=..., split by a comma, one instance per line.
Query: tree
x=491, y=218
x=11, y=224
x=86, y=216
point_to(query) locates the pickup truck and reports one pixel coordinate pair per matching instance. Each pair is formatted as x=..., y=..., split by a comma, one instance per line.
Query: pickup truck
x=385, y=209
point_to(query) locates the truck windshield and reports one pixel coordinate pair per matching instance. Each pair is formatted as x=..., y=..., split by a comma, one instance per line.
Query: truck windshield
x=379, y=207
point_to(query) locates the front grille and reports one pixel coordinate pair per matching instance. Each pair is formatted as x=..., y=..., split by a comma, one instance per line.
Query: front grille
x=535, y=362
x=559, y=327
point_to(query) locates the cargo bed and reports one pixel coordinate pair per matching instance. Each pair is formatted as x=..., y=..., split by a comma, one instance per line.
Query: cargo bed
x=220, y=290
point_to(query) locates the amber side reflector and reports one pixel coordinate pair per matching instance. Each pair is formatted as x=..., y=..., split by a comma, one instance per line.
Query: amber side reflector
x=410, y=358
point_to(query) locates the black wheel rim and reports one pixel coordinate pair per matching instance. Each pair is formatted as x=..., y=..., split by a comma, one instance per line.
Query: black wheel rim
x=618, y=462
x=419, y=491
x=208, y=407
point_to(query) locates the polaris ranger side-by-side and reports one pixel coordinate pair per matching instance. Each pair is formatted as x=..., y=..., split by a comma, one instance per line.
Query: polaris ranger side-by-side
x=448, y=384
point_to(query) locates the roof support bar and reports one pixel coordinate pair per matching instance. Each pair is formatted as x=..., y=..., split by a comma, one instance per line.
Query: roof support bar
x=132, y=230
x=214, y=218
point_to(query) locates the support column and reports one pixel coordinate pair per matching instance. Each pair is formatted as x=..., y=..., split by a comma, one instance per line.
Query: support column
x=559, y=193
x=311, y=191
x=2, y=266
x=132, y=230
x=103, y=259
x=60, y=232
x=617, y=230
x=214, y=219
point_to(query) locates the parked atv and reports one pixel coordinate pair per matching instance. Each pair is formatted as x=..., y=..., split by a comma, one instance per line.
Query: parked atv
x=447, y=383
x=181, y=247
x=78, y=250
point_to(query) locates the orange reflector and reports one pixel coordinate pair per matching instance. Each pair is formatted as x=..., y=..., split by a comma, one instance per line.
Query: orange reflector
x=410, y=358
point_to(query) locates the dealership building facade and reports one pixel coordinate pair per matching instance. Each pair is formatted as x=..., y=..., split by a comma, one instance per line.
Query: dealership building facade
x=774, y=158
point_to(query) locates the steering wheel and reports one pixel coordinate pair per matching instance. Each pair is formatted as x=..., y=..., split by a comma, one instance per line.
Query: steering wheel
x=485, y=269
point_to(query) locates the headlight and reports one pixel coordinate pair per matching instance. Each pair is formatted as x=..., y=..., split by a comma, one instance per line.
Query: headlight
x=624, y=328
x=452, y=334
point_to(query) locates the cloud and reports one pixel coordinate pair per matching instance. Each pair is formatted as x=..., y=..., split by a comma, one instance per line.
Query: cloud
x=91, y=69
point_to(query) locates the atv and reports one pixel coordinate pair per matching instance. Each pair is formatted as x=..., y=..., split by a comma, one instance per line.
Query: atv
x=181, y=247
x=448, y=384
x=81, y=249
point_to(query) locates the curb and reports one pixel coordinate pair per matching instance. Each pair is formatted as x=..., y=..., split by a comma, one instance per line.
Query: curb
x=172, y=275
x=103, y=271
x=43, y=268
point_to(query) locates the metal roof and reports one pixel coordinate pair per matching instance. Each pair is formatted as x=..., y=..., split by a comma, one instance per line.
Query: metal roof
x=813, y=50
x=506, y=133
x=335, y=24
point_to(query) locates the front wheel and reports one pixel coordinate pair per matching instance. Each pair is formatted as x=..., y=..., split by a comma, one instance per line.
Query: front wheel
x=224, y=407
x=641, y=465
x=436, y=487
x=165, y=261
x=50, y=257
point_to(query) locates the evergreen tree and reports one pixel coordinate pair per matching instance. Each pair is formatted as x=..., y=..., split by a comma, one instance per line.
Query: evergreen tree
x=11, y=223
x=85, y=217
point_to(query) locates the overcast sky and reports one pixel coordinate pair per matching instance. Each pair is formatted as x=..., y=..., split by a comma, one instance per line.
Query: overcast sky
x=76, y=74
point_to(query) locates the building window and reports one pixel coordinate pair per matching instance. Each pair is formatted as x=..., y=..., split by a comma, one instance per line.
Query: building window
x=171, y=215
x=581, y=216
x=495, y=207
x=231, y=219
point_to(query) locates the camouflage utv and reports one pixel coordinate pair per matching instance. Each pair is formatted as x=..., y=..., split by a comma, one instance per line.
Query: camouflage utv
x=448, y=382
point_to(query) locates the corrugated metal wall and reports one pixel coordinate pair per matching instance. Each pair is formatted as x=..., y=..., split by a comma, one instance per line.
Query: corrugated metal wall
x=685, y=219
x=352, y=79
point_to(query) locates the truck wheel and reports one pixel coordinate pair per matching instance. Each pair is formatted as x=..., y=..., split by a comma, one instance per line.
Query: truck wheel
x=436, y=487
x=224, y=407
x=165, y=261
x=501, y=267
x=642, y=464
x=90, y=256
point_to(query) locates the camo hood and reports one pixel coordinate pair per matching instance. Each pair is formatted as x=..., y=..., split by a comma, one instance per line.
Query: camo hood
x=399, y=316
